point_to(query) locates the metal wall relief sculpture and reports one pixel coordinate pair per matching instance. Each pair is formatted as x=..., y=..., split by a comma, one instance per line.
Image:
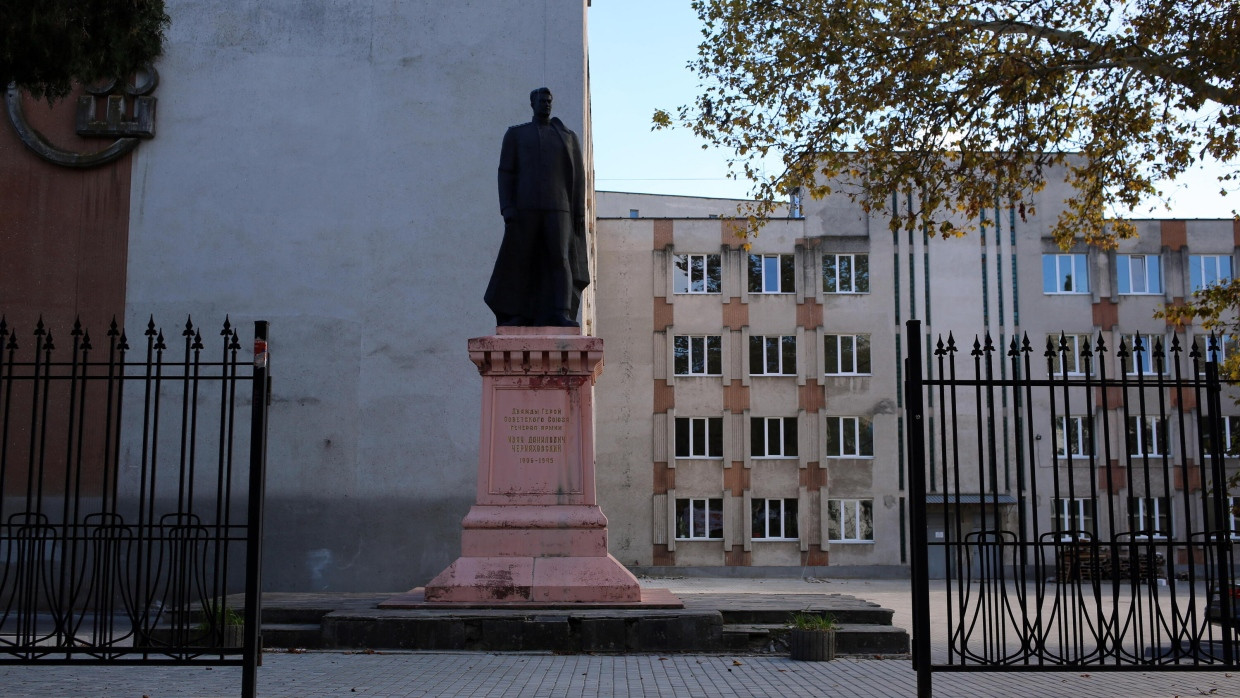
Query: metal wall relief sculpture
x=128, y=117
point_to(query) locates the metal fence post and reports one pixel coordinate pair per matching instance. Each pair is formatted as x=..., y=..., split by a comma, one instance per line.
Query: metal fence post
x=254, y=520
x=914, y=408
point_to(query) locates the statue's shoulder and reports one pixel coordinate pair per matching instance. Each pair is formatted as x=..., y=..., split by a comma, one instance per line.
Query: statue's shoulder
x=555, y=122
x=517, y=127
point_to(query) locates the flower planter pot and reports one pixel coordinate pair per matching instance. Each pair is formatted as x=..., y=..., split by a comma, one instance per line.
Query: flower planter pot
x=812, y=645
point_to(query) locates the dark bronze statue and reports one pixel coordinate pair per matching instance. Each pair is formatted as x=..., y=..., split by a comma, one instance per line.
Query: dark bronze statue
x=542, y=267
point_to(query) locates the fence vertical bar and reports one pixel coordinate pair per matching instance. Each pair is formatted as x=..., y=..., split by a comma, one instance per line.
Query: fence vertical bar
x=254, y=518
x=1225, y=570
x=914, y=403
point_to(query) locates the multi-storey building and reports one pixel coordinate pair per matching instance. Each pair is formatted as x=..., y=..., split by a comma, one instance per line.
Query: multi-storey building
x=751, y=412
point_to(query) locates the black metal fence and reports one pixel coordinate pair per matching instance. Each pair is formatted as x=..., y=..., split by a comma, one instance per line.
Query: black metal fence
x=1108, y=545
x=129, y=509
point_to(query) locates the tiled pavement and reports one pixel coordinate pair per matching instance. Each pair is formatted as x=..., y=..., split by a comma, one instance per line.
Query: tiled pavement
x=476, y=675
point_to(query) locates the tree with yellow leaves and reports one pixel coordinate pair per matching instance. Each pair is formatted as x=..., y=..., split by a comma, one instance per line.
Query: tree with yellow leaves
x=969, y=103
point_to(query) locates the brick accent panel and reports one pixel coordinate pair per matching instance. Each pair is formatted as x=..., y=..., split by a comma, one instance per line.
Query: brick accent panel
x=664, y=313
x=1106, y=314
x=816, y=558
x=663, y=557
x=1235, y=232
x=1194, y=477
x=809, y=314
x=1189, y=399
x=736, y=397
x=664, y=478
x=735, y=314
x=662, y=233
x=736, y=479
x=664, y=396
x=1174, y=234
x=811, y=396
x=1181, y=556
x=1114, y=395
x=732, y=231
x=736, y=557
x=813, y=476
x=1118, y=476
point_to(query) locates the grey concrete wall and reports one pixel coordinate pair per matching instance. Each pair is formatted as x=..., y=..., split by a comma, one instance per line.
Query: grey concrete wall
x=329, y=165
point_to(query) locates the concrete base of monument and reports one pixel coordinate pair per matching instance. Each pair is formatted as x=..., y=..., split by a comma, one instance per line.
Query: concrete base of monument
x=534, y=553
x=508, y=579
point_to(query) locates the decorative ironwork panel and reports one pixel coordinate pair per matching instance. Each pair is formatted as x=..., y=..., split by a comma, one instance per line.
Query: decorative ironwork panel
x=129, y=508
x=1070, y=501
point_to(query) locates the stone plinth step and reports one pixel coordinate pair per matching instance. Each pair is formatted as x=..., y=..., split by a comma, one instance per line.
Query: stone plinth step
x=777, y=609
x=851, y=638
x=303, y=635
x=502, y=630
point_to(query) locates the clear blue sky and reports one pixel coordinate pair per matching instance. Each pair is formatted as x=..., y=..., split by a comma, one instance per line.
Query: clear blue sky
x=638, y=55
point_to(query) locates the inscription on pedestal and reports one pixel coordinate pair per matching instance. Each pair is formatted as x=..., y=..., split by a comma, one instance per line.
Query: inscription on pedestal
x=534, y=448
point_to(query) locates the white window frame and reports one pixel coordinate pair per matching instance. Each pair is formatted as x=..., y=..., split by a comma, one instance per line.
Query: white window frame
x=701, y=345
x=771, y=347
x=708, y=505
x=860, y=346
x=764, y=279
x=1139, y=520
x=1145, y=356
x=785, y=518
x=1231, y=432
x=1205, y=270
x=1078, y=267
x=1148, y=431
x=857, y=285
x=709, y=426
x=761, y=448
x=839, y=427
x=1226, y=347
x=1069, y=444
x=1139, y=274
x=1069, y=515
x=683, y=282
x=1074, y=343
x=843, y=514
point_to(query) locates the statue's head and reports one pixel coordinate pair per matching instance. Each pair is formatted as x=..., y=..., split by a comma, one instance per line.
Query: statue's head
x=540, y=102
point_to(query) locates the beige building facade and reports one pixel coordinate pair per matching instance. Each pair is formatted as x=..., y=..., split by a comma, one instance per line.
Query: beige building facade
x=751, y=417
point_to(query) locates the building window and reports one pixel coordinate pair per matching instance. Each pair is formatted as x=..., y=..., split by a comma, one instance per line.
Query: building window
x=1074, y=519
x=698, y=356
x=1149, y=516
x=1231, y=437
x=847, y=354
x=1068, y=354
x=1072, y=438
x=772, y=273
x=773, y=437
x=1217, y=350
x=774, y=519
x=634, y=213
x=1147, y=436
x=699, y=519
x=1139, y=273
x=1064, y=273
x=1231, y=517
x=1141, y=349
x=699, y=437
x=1208, y=269
x=850, y=520
x=696, y=273
x=846, y=273
x=850, y=437
x=773, y=355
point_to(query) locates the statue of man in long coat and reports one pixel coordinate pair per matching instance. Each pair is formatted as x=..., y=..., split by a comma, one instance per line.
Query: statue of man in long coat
x=542, y=266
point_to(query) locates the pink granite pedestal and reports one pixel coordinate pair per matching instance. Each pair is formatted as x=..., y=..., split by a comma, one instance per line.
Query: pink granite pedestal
x=536, y=533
